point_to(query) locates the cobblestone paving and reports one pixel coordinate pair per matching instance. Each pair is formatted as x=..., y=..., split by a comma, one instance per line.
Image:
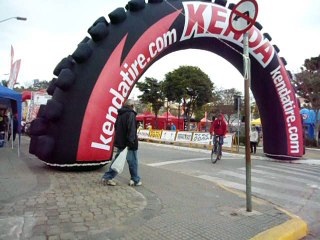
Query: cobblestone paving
x=75, y=206
x=215, y=224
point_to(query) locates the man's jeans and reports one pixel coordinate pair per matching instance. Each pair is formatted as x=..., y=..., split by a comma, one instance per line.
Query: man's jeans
x=215, y=143
x=132, y=160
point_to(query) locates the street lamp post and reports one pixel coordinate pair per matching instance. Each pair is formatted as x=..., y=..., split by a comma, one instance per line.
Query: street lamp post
x=18, y=18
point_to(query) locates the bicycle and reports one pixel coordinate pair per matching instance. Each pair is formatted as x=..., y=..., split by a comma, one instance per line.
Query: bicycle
x=215, y=156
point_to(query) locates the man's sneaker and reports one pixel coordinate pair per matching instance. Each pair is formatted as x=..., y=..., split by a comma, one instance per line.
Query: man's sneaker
x=138, y=183
x=108, y=182
x=132, y=183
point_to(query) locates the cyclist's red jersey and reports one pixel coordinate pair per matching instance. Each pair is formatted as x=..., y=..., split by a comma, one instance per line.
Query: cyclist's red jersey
x=219, y=127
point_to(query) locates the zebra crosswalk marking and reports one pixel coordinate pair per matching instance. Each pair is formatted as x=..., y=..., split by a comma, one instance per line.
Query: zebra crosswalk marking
x=290, y=172
x=261, y=191
x=277, y=175
x=313, y=171
x=261, y=180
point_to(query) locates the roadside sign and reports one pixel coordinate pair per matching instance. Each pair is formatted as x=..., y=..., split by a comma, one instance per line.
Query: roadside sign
x=243, y=16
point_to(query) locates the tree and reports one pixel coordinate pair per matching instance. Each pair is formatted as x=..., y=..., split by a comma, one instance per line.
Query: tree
x=151, y=93
x=40, y=85
x=189, y=85
x=35, y=86
x=4, y=83
x=255, y=110
x=201, y=112
x=225, y=103
x=142, y=107
x=307, y=85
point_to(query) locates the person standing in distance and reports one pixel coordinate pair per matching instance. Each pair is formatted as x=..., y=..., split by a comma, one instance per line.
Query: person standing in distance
x=125, y=136
x=254, y=138
x=14, y=129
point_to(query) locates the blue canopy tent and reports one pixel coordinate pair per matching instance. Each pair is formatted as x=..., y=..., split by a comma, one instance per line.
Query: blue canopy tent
x=12, y=100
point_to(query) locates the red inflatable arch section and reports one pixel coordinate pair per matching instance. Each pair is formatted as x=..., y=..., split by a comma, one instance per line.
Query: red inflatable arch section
x=76, y=127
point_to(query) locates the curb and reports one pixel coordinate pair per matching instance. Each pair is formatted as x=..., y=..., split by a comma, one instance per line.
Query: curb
x=293, y=229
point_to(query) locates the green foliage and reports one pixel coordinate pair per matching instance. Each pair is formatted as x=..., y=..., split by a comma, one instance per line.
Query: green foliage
x=254, y=111
x=200, y=112
x=189, y=85
x=36, y=86
x=307, y=85
x=4, y=83
x=40, y=85
x=225, y=103
x=142, y=107
x=151, y=93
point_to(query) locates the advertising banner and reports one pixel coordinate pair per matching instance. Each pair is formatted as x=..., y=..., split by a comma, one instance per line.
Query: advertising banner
x=143, y=134
x=155, y=134
x=168, y=135
x=184, y=137
x=228, y=140
x=201, y=137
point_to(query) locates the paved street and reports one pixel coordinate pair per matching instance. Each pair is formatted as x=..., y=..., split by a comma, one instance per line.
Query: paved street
x=292, y=186
x=183, y=196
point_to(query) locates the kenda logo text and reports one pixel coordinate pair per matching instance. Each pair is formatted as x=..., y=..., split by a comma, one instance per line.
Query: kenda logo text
x=210, y=20
x=129, y=75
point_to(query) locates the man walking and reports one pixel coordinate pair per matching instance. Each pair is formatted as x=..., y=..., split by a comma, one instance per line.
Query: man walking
x=125, y=136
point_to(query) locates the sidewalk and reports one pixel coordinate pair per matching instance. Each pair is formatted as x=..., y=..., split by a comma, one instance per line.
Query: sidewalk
x=38, y=202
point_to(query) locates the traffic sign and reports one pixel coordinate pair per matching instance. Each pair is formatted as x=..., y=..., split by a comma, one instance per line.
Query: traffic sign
x=243, y=16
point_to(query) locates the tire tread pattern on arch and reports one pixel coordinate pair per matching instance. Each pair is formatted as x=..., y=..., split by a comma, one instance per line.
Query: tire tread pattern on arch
x=76, y=76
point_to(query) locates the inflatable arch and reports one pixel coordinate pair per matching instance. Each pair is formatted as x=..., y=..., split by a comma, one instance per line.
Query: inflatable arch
x=76, y=127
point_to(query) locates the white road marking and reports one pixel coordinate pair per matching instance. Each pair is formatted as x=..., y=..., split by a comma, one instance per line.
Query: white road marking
x=269, y=182
x=293, y=172
x=278, y=176
x=266, y=193
x=176, y=161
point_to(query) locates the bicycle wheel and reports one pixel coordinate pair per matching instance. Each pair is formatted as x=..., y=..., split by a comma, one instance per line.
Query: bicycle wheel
x=214, y=157
x=218, y=154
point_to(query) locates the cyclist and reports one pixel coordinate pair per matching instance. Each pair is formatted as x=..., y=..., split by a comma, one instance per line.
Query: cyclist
x=218, y=129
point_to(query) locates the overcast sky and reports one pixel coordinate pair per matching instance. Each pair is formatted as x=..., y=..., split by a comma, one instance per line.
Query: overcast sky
x=55, y=27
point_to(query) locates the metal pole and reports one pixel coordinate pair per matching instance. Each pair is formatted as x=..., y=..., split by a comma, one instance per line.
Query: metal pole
x=239, y=99
x=179, y=116
x=247, y=76
x=11, y=130
x=167, y=113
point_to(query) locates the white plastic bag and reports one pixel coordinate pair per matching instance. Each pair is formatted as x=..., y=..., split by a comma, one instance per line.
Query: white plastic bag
x=119, y=162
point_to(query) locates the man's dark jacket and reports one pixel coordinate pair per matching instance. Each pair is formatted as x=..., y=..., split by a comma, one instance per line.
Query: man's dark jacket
x=126, y=129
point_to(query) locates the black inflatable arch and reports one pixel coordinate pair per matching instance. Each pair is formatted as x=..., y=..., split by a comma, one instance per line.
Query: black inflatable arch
x=76, y=127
